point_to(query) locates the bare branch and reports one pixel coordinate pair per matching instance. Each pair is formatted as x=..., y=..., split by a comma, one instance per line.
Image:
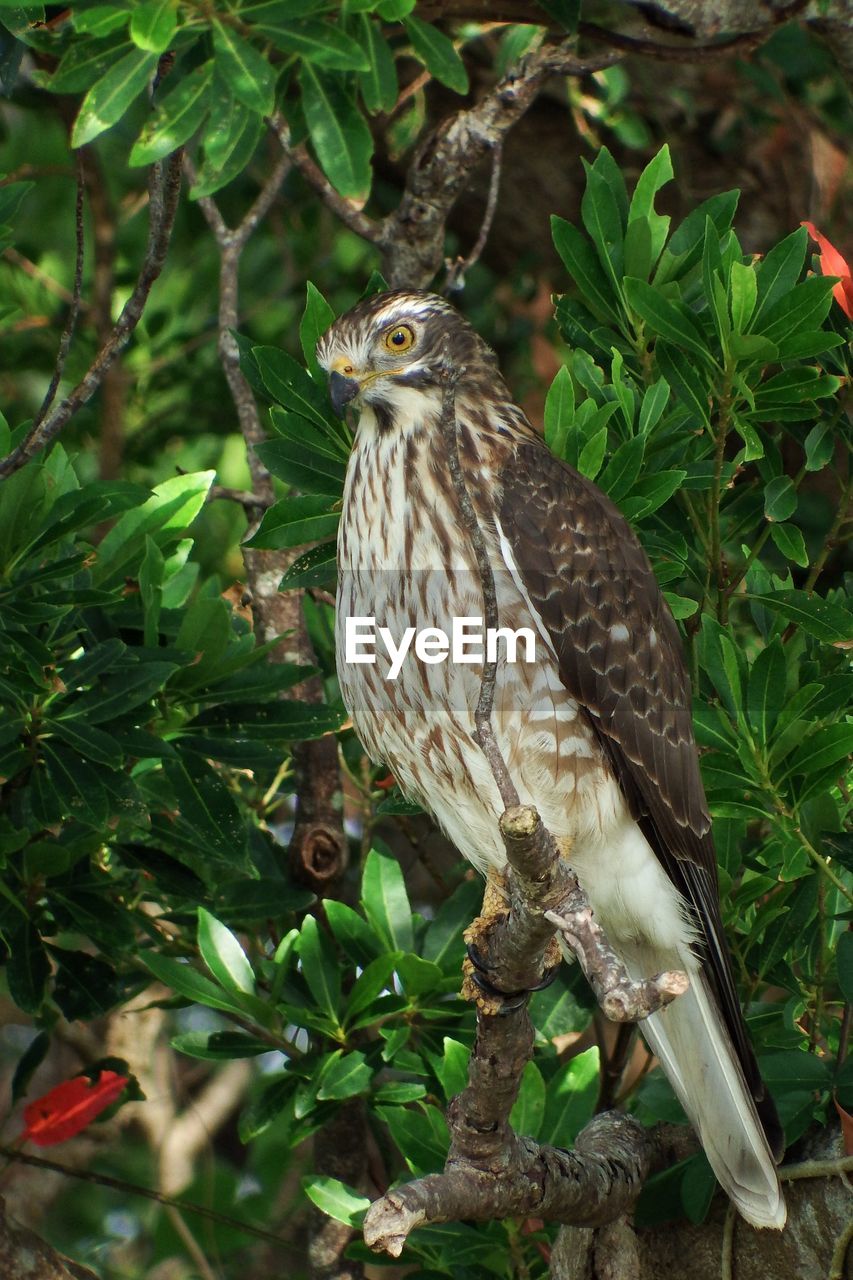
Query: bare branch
x=413, y=236
x=458, y=270
x=348, y=213
x=164, y=190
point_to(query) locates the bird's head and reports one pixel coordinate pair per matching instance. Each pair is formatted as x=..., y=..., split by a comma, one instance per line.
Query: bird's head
x=392, y=347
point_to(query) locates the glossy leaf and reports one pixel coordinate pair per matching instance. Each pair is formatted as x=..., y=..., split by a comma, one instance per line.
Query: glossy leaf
x=152, y=25
x=223, y=955
x=109, y=98
x=437, y=53
x=338, y=132
x=180, y=113
x=386, y=903
x=246, y=72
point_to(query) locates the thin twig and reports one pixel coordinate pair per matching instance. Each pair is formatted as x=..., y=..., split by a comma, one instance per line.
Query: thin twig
x=74, y=310
x=164, y=191
x=459, y=269
x=245, y=497
x=348, y=212
x=133, y=1188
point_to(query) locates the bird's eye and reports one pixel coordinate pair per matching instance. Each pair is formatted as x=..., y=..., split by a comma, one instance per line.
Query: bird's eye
x=400, y=338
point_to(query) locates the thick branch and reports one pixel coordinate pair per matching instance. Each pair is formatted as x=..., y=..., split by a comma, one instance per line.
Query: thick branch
x=413, y=236
x=164, y=189
x=588, y=1186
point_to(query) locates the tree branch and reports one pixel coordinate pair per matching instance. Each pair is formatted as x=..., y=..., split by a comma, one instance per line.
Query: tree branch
x=164, y=189
x=74, y=309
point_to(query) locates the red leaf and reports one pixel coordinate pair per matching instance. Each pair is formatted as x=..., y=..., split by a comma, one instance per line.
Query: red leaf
x=70, y=1107
x=832, y=264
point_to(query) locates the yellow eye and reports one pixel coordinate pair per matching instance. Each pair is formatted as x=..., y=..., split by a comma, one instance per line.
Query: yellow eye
x=400, y=338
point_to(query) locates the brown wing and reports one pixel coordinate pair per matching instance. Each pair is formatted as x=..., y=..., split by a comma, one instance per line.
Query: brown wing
x=620, y=656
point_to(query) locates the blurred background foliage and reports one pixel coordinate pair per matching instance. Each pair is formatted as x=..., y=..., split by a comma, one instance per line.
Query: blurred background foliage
x=302, y=1060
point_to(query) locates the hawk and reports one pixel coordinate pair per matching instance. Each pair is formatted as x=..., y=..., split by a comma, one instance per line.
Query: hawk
x=596, y=731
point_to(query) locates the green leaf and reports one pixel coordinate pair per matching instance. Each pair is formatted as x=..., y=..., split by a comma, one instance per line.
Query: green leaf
x=571, y=1097
x=207, y=808
x=84, y=62
x=778, y=272
x=290, y=384
x=223, y=955
x=642, y=211
x=173, y=506
x=421, y=1135
x=819, y=446
x=602, y=217
x=379, y=82
x=293, y=522
x=246, y=72
x=443, y=939
x=825, y=748
x=314, y=568
x=766, y=689
x=178, y=116
x=791, y=543
x=372, y=981
x=305, y=468
x=780, y=498
x=591, y=456
x=655, y=399
x=583, y=266
x=336, y=1199
x=685, y=379
x=232, y=135
x=743, y=291
x=529, y=1108
x=152, y=25
x=437, y=53
x=321, y=42
x=650, y=492
x=385, y=901
x=316, y=319
x=27, y=966
x=338, y=132
x=219, y=1046
x=92, y=743
x=680, y=606
x=674, y=323
x=120, y=694
x=623, y=468
x=320, y=967
x=346, y=1077
x=804, y=307
x=354, y=934
x=559, y=410
x=451, y=1068
x=109, y=98
x=192, y=985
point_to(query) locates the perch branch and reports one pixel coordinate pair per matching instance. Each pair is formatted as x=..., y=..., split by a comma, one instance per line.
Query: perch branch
x=491, y=1172
x=164, y=190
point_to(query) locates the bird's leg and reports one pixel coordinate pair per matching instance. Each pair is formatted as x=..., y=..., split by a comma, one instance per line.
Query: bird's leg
x=478, y=968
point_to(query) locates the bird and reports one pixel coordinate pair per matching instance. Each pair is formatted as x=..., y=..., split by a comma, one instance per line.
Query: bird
x=596, y=731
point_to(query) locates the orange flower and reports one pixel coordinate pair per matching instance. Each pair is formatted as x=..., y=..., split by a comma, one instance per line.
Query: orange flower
x=832, y=264
x=70, y=1107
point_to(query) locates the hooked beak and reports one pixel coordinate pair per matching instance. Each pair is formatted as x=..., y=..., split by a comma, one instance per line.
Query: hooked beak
x=342, y=391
